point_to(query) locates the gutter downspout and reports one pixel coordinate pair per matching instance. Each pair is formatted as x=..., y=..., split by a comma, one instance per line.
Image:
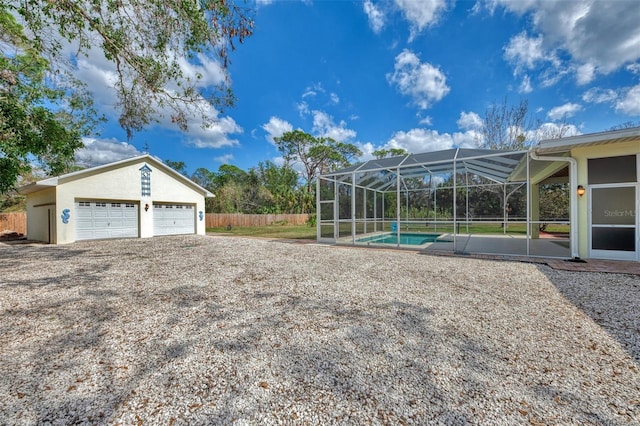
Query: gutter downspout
x=573, y=187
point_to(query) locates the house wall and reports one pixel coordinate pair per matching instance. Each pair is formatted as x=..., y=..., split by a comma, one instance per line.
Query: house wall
x=582, y=155
x=123, y=183
x=41, y=209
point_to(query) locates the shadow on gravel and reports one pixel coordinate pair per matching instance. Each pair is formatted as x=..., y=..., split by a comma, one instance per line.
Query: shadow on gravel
x=126, y=347
x=611, y=300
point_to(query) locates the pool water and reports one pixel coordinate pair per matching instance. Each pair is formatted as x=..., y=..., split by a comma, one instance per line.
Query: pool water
x=405, y=238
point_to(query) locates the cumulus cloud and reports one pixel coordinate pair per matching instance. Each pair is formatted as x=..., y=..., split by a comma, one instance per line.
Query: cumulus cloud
x=630, y=103
x=420, y=140
x=597, y=36
x=102, y=151
x=470, y=121
x=324, y=126
x=375, y=15
x=276, y=127
x=524, y=52
x=421, y=14
x=423, y=82
x=564, y=111
x=335, y=99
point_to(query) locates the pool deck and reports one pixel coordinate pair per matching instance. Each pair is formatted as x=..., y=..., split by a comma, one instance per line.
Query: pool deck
x=553, y=252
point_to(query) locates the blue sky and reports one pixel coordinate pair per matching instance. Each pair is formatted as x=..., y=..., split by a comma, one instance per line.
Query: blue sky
x=413, y=74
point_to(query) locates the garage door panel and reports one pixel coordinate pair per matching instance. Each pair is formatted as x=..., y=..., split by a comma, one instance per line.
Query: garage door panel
x=101, y=220
x=173, y=219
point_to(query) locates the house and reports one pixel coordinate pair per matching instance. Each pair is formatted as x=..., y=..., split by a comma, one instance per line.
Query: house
x=601, y=171
x=138, y=197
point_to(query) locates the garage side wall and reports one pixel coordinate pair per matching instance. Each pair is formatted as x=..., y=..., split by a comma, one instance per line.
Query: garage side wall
x=41, y=210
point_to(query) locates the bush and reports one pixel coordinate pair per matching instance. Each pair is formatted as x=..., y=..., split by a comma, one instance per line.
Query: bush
x=313, y=220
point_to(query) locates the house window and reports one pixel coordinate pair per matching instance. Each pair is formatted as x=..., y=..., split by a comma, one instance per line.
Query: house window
x=129, y=205
x=84, y=204
x=115, y=205
x=101, y=204
x=145, y=180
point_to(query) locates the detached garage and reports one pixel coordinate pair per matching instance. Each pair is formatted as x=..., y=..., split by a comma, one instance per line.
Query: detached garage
x=135, y=198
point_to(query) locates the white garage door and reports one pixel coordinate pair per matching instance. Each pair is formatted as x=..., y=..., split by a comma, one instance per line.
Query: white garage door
x=172, y=219
x=106, y=219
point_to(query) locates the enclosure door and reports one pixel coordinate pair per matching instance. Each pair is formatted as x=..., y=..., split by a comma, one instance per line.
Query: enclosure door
x=327, y=222
x=613, y=222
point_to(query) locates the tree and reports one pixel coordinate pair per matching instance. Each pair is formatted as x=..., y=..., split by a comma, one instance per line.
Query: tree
x=391, y=152
x=282, y=183
x=317, y=155
x=145, y=40
x=178, y=166
x=29, y=132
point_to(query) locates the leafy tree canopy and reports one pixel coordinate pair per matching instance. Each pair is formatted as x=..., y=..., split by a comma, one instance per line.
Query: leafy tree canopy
x=44, y=109
x=317, y=155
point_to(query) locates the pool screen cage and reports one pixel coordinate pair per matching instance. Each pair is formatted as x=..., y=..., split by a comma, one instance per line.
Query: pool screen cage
x=457, y=200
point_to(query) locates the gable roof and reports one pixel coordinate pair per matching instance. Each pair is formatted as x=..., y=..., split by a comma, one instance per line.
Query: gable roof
x=56, y=180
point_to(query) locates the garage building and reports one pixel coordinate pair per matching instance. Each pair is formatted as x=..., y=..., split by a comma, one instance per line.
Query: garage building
x=138, y=197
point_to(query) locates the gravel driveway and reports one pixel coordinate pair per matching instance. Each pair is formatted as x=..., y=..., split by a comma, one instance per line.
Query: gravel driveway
x=202, y=330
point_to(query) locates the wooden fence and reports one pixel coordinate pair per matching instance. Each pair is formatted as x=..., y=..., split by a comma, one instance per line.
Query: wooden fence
x=217, y=220
x=16, y=222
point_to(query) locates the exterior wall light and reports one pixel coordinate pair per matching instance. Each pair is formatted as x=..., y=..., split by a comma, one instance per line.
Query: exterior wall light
x=146, y=206
x=580, y=190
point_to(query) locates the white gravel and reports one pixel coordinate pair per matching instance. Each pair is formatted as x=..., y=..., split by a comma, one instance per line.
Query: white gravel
x=218, y=330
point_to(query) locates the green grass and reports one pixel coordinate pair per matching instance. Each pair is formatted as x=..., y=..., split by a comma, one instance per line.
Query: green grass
x=270, y=231
x=309, y=232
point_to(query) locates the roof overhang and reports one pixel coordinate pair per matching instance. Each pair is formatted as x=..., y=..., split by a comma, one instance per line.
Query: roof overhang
x=562, y=145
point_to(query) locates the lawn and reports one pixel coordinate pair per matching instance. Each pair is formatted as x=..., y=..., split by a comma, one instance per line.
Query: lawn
x=270, y=231
x=309, y=232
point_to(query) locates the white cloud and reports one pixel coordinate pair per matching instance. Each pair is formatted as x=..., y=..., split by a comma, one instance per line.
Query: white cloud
x=585, y=74
x=375, y=15
x=102, y=151
x=215, y=135
x=468, y=139
x=525, y=85
x=425, y=83
x=630, y=103
x=425, y=121
x=324, y=126
x=552, y=131
x=597, y=95
x=564, y=111
x=597, y=36
x=524, y=52
x=634, y=68
x=421, y=14
x=224, y=159
x=335, y=99
x=303, y=108
x=100, y=76
x=469, y=121
x=276, y=127
x=420, y=140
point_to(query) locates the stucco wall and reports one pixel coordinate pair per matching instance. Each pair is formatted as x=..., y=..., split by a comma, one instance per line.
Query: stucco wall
x=123, y=184
x=582, y=155
x=40, y=205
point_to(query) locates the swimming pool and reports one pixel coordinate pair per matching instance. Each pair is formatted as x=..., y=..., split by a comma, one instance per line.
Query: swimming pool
x=416, y=239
